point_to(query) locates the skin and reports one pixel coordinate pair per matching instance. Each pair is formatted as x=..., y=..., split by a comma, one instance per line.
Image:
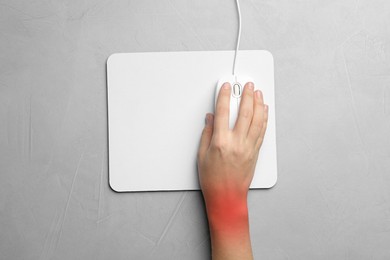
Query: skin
x=226, y=165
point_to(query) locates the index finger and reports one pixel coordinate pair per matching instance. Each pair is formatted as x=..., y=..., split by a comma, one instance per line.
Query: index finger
x=222, y=109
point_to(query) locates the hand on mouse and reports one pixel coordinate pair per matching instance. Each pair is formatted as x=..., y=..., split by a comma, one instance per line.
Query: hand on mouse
x=226, y=165
x=227, y=158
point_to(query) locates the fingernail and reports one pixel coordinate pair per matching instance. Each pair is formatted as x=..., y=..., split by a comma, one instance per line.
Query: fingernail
x=226, y=85
x=250, y=85
x=209, y=119
x=206, y=120
x=258, y=94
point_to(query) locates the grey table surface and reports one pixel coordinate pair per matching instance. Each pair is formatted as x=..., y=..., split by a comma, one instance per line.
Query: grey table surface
x=332, y=74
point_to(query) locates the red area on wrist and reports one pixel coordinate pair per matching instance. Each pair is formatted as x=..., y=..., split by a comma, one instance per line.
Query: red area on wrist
x=227, y=212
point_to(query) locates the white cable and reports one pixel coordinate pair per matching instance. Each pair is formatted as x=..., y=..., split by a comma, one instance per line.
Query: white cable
x=238, y=36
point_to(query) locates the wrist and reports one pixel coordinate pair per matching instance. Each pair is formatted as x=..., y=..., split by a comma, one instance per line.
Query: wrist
x=227, y=213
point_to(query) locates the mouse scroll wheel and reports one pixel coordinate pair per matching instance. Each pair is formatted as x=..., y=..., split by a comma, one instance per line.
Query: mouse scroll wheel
x=237, y=90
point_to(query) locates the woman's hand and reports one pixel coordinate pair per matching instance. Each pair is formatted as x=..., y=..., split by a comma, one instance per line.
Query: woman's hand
x=227, y=157
x=226, y=164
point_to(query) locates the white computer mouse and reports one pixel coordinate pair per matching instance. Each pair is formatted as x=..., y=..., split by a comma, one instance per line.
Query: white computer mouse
x=237, y=84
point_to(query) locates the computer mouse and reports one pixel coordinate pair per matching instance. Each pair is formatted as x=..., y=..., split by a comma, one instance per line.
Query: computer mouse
x=237, y=83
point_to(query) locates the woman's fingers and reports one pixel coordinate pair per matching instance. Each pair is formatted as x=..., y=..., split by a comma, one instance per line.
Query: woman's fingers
x=245, y=113
x=264, y=128
x=206, y=135
x=258, y=117
x=221, y=120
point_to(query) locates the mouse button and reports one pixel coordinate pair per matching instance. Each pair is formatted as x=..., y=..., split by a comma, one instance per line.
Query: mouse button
x=237, y=90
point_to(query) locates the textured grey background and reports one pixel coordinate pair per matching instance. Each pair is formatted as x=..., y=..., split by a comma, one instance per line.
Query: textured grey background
x=332, y=58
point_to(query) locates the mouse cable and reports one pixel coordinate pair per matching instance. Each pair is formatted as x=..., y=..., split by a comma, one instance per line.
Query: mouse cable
x=238, y=36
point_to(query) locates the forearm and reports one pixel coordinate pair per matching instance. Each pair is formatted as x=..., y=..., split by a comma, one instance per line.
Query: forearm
x=229, y=227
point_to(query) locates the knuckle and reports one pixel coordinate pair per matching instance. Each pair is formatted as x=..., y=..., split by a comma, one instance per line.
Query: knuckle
x=207, y=131
x=246, y=113
x=251, y=156
x=259, y=143
x=244, y=153
x=257, y=127
x=219, y=144
x=239, y=151
x=222, y=110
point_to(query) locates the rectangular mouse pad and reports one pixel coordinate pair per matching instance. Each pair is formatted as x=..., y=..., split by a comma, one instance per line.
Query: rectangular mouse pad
x=157, y=102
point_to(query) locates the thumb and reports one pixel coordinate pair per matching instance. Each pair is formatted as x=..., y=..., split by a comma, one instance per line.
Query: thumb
x=206, y=134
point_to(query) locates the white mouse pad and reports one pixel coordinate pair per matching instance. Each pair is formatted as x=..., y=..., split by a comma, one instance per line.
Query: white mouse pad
x=157, y=104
